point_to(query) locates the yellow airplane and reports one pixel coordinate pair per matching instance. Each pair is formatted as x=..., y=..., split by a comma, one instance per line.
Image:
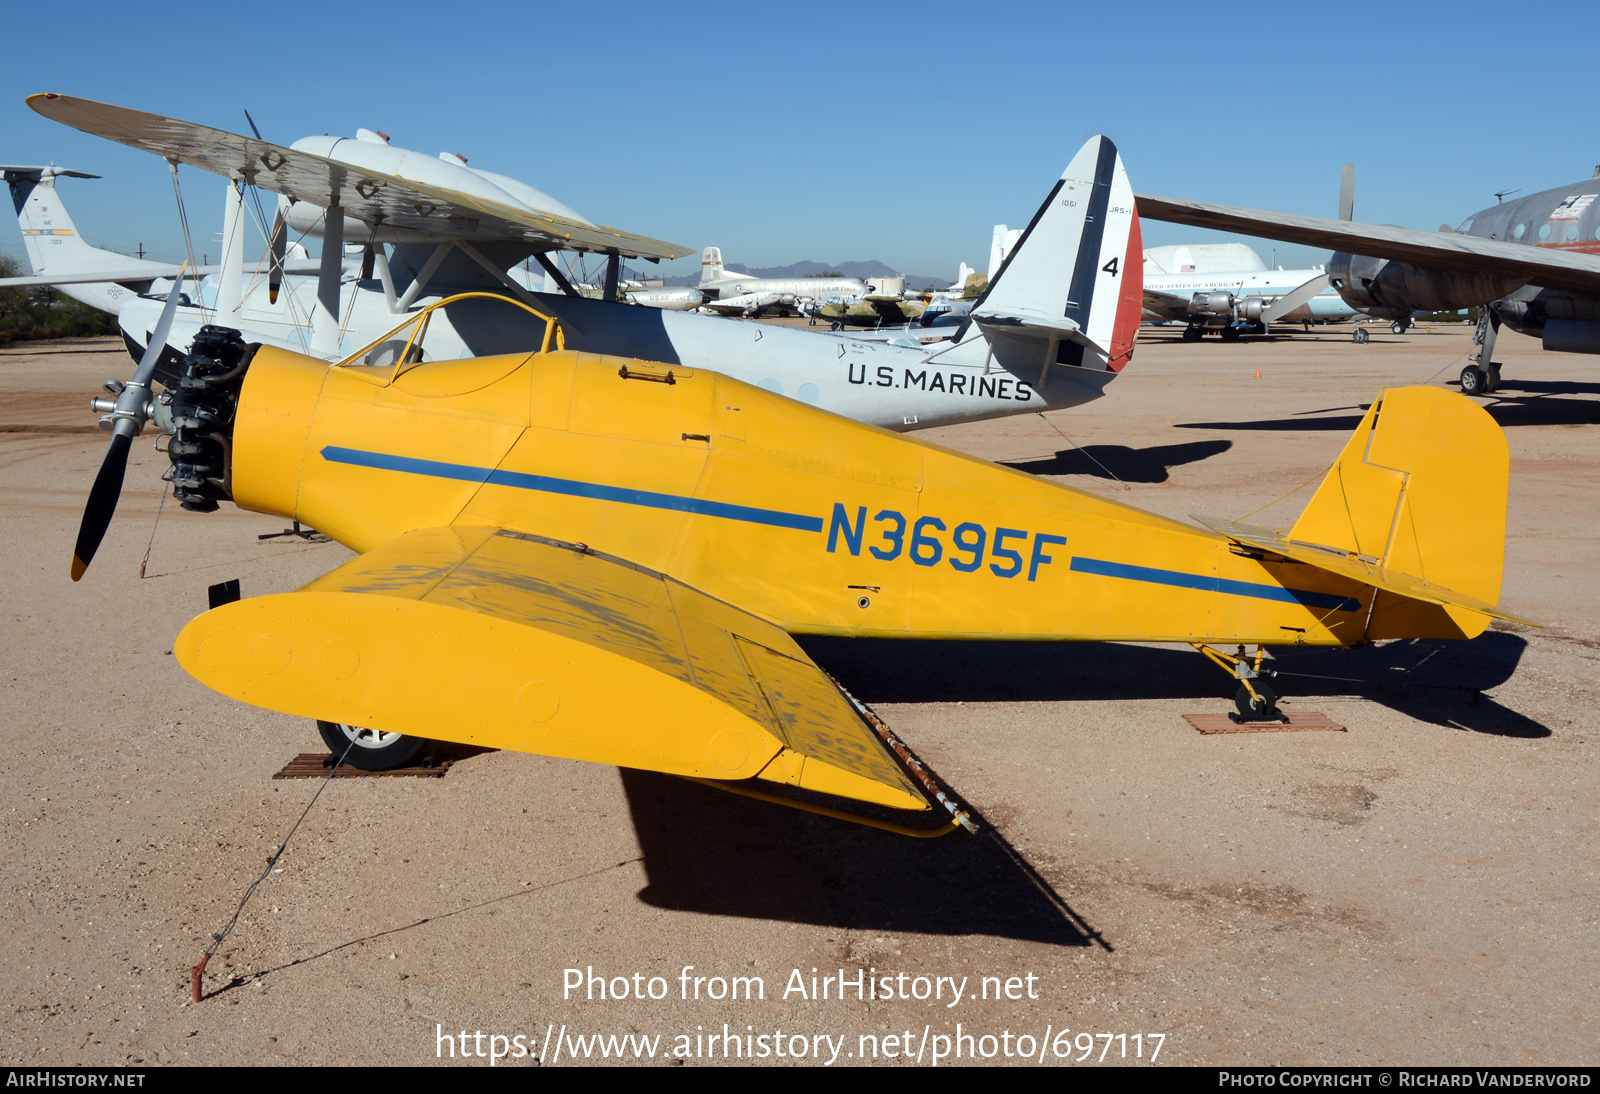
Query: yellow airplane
x=604, y=559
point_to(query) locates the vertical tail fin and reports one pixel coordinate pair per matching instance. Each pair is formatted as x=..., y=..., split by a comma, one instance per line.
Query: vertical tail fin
x=711, y=265
x=1076, y=274
x=49, y=235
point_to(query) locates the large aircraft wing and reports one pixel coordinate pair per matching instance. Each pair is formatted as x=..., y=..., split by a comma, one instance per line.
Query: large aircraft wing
x=370, y=196
x=512, y=641
x=1165, y=304
x=136, y=275
x=1545, y=266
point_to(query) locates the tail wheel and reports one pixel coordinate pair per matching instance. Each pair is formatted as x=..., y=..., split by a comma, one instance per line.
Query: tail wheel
x=1260, y=707
x=369, y=749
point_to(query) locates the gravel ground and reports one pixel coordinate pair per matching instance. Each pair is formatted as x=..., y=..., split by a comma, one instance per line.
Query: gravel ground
x=1420, y=889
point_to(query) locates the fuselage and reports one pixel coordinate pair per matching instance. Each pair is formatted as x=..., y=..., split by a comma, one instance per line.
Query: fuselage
x=896, y=387
x=807, y=288
x=816, y=523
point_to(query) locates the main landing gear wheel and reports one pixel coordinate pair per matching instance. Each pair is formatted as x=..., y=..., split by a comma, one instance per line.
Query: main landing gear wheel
x=1230, y=334
x=373, y=751
x=1398, y=327
x=1476, y=380
x=1360, y=337
x=1192, y=334
x=1260, y=707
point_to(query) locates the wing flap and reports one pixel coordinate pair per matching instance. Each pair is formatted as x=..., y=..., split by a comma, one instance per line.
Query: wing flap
x=511, y=641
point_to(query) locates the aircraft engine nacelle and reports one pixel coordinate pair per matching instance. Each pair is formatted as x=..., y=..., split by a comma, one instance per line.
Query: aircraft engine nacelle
x=1564, y=321
x=1211, y=303
x=1393, y=290
x=1250, y=308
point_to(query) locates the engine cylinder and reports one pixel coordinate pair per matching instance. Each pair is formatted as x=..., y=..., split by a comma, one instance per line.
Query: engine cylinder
x=202, y=406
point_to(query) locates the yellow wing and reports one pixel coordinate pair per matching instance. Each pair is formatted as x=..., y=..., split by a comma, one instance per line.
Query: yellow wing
x=511, y=641
x=370, y=196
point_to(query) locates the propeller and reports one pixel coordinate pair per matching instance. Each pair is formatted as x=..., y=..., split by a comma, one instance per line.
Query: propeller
x=1347, y=193
x=127, y=420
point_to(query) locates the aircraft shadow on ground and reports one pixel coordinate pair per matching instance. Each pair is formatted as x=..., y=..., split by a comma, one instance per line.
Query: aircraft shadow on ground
x=1515, y=403
x=1116, y=461
x=711, y=852
x=1431, y=680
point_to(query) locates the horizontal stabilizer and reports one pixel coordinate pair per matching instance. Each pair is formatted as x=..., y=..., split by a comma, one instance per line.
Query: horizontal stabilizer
x=9, y=170
x=505, y=640
x=1354, y=567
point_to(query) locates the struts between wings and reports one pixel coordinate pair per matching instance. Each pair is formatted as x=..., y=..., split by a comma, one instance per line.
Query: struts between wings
x=605, y=559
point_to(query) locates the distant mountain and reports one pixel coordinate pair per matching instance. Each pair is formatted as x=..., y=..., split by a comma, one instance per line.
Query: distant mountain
x=807, y=268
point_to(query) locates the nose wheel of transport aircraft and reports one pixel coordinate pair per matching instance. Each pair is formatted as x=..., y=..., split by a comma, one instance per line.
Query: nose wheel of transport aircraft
x=374, y=750
x=1360, y=336
x=1477, y=380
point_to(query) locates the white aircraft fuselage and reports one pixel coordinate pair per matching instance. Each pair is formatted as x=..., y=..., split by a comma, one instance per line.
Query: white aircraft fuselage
x=895, y=387
x=1266, y=283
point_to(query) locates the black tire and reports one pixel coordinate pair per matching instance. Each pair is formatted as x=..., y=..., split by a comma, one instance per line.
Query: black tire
x=1192, y=334
x=1360, y=337
x=1230, y=334
x=1263, y=707
x=373, y=751
x=1474, y=381
x=1494, y=377
x=1398, y=327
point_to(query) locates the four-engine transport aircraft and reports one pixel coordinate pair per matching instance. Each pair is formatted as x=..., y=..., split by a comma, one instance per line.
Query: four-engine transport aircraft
x=1533, y=261
x=1232, y=302
x=566, y=553
x=741, y=294
x=1055, y=327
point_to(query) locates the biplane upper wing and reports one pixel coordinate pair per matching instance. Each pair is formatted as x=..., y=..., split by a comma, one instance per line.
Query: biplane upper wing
x=506, y=640
x=370, y=196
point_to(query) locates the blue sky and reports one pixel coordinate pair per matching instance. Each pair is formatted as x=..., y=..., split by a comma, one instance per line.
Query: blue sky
x=784, y=132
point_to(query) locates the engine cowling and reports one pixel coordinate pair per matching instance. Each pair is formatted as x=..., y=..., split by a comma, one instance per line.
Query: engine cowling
x=1219, y=302
x=1393, y=290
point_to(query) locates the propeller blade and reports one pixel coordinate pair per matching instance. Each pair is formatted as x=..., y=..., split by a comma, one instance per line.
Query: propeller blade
x=158, y=337
x=1347, y=193
x=279, y=244
x=132, y=412
x=102, y=503
x=1286, y=304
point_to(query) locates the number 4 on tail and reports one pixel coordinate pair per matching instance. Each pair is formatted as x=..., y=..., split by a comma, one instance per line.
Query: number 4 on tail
x=1110, y=267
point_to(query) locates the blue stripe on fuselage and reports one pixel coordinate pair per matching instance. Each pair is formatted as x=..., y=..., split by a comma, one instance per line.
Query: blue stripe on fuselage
x=1181, y=580
x=571, y=488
